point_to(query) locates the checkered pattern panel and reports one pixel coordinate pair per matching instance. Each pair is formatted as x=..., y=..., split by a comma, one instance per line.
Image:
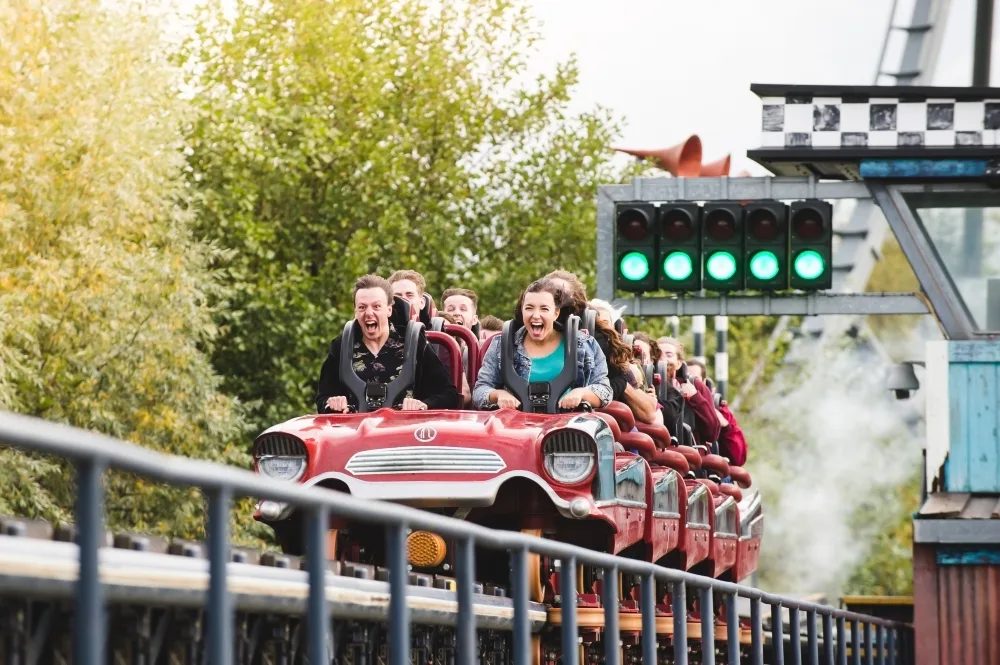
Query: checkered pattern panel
x=835, y=122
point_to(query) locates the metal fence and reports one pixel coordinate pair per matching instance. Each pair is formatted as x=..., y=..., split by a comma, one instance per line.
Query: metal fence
x=93, y=454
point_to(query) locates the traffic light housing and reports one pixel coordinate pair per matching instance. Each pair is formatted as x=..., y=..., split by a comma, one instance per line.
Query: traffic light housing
x=722, y=246
x=679, y=232
x=635, y=247
x=811, y=245
x=765, y=249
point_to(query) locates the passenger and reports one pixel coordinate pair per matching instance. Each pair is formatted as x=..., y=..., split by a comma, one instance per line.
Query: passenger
x=466, y=392
x=489, y=326
x=539, y=354
x=613, y=347
x=378, y=356
x=462, y=304
x=688, y=400
x=732, y=442
x=410, y=286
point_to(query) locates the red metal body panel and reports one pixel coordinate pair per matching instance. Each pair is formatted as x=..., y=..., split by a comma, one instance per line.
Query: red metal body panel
x=696, y=540
x=663, y=533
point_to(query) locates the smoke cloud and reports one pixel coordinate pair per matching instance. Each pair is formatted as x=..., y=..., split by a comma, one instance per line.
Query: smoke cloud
x=830, y=440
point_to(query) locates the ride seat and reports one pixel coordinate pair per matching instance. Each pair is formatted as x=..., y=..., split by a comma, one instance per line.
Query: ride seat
x=621, y=413
x=692, y=456
x=740, y=476
x=452, y=358
x=728, y=489
x=713, y=463
x=672, y=460
x=710, y=485
x=659, y=433
x=640, y=442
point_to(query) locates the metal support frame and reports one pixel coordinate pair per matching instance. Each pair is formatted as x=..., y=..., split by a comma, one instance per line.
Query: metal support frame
x=94, y=452
x=802, y=304
x=949, y=308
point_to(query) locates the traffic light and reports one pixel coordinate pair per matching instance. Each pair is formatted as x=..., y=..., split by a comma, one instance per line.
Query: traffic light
x=722, y=245
x=811, y=247
x=635, y=247
x=765, y=252
x=678, y=261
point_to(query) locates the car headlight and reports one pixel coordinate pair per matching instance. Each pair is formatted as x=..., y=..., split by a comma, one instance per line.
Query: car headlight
x=569, y=468
x=282, y=467
x=569, y=456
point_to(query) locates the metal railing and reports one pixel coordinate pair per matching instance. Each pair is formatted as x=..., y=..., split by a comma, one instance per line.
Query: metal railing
x=93, y=454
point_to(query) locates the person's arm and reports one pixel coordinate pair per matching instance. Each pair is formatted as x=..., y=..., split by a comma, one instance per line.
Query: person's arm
x=489, y=375
x=599, y=387
x=703, y=405
x=329, y=379
x=643, y=405
x=435, y=387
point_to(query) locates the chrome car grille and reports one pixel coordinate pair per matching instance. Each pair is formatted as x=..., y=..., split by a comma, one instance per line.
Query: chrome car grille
x=425, y=459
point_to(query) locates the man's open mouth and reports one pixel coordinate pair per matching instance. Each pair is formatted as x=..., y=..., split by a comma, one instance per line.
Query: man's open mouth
x=371, y=326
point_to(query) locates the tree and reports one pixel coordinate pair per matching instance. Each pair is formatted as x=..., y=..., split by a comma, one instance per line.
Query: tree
x=339, y=138
x=104, y=316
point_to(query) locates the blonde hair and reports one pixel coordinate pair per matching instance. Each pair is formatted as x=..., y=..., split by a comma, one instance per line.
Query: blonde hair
x=674, y=343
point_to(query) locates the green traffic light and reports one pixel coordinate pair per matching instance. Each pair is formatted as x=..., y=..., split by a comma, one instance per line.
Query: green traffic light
x=634, y=266
x=809, y=265
x=678, y=266
x=764, y=265
x=721, y=266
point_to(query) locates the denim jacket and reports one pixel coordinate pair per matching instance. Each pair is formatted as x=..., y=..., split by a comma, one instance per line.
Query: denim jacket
x=591, y=368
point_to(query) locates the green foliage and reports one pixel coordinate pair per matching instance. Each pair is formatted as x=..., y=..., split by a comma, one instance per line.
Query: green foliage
x=339, y=138
x=104, y=292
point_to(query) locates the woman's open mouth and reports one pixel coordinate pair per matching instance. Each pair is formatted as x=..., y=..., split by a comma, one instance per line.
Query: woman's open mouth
x=536, y=329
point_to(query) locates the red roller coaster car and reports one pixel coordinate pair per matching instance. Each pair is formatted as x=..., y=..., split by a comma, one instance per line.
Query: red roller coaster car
x=596, y=479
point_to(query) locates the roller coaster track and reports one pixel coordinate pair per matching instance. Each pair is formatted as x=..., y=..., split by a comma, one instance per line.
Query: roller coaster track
x=77, y=594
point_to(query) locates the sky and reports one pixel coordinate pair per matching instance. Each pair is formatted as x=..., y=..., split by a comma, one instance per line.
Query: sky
x=671, y=68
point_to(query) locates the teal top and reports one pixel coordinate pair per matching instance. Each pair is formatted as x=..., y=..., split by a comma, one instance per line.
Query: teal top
x=546, y=368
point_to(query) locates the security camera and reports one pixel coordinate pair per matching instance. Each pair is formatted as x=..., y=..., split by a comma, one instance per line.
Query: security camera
x=902, y=380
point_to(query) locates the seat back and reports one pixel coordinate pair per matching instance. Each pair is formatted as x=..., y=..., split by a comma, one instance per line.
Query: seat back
x=373, y=396
x=451, y=356
x=539, y=397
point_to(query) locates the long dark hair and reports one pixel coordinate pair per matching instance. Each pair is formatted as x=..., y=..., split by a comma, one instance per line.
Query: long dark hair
x=619, y=355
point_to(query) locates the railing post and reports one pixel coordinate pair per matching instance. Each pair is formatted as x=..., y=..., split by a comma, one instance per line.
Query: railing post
x=567, y=594
x=707, y=627
x=678, y=594
x=855, y=642
x=813, y=630
x=399, y=619
x=841, y=641
x=777, y=634
x=732, y=630
x=522, y=625
x=891, y=647
x=880, y=643
x=466, y=645
x=756, y=633
x=612, y=638
x=648, y=606
x=828, y=651
x=89, y=628
x=869, y=656
x=795, y=635
x=318, y=621
x=220, y=611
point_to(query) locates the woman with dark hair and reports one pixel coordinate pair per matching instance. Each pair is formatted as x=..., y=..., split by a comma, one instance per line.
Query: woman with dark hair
x=619, y=355
x=539, y=354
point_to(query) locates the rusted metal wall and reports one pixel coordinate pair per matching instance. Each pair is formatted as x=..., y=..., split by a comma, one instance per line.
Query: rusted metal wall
x=957, y=605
